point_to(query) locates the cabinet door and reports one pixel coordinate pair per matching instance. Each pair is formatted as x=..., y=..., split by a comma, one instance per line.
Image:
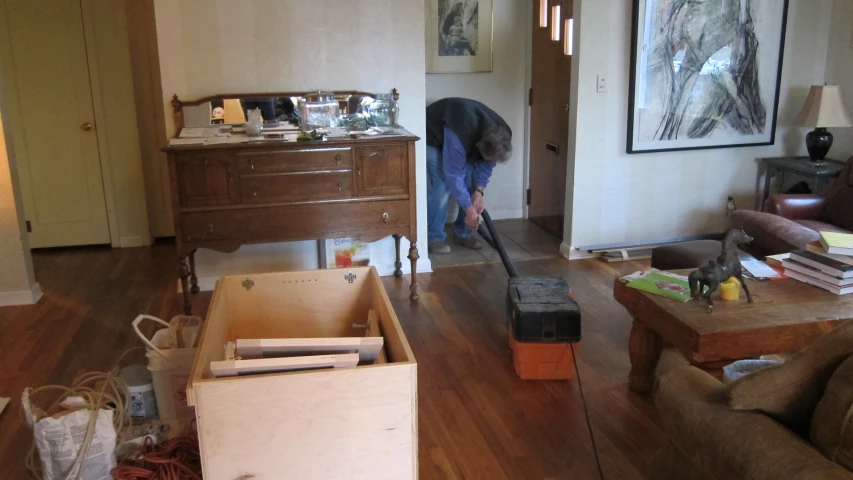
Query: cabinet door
x=207, y=179
x=382, y=170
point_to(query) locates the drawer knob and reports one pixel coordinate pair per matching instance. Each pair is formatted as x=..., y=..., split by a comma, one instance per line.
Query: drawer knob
x=209, y=228
x=338, y=159
x=230, y=177
x=340, y=185
x=386, y=217
x=251, y=164
x=254, y=191
x=358, y=171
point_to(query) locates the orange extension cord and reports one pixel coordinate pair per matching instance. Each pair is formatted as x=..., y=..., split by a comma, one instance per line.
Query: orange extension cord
x=175, y=459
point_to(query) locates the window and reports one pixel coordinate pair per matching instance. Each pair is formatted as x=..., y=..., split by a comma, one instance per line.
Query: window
x=556, y=25
x=568, y=41
x=543, y=13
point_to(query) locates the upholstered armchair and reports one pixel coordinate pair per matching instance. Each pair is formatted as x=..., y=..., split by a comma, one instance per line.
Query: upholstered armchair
x=789, y=222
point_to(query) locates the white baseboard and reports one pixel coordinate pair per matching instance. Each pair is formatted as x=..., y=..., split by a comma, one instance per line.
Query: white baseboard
x=21, y=297
x=207, y=283
x=573, y=253
x=130, y=242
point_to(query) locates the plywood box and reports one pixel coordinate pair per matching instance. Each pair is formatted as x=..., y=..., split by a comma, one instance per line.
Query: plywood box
x=344, y=423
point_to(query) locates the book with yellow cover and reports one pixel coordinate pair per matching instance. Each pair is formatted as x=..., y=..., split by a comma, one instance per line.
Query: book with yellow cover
x=837, y=243
x=816, y=247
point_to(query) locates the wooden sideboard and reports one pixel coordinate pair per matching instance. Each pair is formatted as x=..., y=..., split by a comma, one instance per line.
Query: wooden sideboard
x=228, y=195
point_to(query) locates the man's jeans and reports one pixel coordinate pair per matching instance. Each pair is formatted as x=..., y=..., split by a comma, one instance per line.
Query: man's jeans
x=438, y=197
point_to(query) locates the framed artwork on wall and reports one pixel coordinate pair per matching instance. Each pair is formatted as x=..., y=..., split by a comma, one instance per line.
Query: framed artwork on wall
x=459, y=36
x=705, y=73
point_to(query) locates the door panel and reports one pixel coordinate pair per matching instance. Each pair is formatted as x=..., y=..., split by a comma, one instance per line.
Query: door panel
x=382, y=170
x=207, y=179
x=549, y=120
x=58, y=163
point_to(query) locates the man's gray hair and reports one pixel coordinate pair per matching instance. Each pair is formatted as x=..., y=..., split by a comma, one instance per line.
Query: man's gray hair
x=496, y=144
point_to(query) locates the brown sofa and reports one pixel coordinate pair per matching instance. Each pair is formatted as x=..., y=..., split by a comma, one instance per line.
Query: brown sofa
x=789, y=222
x=709, y=441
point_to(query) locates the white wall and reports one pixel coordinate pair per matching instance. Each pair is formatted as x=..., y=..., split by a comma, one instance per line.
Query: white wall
x=17, y=281
x=208, y=47
x=839, y=71
x=504, y=90
x=621, y=198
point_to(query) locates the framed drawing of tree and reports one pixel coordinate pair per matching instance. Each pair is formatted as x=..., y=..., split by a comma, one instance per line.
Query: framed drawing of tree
x=705, y=73
x=458, y=36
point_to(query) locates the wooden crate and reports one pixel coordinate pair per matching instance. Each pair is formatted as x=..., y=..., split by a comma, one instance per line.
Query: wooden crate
x=351, y=423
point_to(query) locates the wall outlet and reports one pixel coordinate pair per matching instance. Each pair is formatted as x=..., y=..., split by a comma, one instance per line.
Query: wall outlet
x=601, y=83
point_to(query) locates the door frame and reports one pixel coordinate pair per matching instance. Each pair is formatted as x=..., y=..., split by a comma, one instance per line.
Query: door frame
x=570, y=146
x=13, y=109
x=528, y=84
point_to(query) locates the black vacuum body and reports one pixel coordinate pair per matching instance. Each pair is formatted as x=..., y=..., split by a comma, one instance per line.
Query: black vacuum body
x=540, y=309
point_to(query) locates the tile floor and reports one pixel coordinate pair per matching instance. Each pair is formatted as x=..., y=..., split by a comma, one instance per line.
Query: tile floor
x=522, y=239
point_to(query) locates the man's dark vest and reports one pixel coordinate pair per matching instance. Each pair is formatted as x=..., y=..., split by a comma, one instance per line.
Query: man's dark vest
x=469, y=119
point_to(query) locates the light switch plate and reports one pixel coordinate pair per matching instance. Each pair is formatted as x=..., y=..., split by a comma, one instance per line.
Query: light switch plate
x=601, y=83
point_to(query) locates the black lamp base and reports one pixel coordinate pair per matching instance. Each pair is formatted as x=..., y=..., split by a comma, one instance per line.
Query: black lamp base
x=818, y=143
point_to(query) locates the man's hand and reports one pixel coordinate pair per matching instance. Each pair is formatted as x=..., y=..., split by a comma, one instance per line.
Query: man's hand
x=472, y=218
x=477, y=199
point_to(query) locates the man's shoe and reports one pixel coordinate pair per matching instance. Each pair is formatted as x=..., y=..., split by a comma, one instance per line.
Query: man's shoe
x=468, y=242
x=438, y=246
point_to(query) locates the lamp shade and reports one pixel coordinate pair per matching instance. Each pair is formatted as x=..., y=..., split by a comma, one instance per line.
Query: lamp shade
x=824, y=108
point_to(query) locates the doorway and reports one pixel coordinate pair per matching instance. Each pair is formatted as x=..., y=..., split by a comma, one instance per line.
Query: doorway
x=550, y=89
x=49, y=91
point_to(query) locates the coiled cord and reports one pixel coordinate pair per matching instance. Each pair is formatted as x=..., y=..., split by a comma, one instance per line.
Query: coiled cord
x=175, y=459
x=99, y=391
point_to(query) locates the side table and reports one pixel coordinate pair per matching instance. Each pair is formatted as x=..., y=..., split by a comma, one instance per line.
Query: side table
x=818, y=176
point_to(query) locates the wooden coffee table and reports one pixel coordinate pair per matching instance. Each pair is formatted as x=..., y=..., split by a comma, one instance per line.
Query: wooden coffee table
x=787, y=315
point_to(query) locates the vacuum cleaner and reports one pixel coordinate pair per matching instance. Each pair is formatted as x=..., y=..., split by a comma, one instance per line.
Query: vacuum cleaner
x=539, y=309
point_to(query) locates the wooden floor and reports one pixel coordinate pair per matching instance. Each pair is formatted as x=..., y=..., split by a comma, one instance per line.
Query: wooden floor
x=477, y=419
x=522, y=240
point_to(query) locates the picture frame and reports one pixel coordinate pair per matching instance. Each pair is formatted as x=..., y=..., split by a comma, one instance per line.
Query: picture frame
x=718, y=88
x=459, y=36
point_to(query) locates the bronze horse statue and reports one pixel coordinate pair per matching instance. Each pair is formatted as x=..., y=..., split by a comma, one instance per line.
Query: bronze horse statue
x=718, y=271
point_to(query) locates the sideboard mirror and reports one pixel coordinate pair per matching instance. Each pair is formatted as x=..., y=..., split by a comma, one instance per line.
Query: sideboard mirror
x=232, y=108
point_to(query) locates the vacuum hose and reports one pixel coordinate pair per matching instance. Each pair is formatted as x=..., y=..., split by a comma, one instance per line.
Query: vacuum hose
x=495, y=241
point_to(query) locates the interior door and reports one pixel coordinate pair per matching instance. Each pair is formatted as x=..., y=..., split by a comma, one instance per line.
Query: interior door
x=58, y=163
x=551, y=75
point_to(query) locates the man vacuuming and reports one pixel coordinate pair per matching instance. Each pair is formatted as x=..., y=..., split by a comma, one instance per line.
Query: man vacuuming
x=465, y=140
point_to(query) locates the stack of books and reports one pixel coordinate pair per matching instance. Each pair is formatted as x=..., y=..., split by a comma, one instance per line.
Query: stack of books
x=827, y=263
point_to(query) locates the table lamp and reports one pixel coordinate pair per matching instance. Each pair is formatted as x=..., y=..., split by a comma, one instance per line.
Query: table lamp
x=824, y=108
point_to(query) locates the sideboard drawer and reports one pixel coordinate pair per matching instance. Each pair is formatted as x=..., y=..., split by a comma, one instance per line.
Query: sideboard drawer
x=284, y=161
x=279, y=223
x=298, y=187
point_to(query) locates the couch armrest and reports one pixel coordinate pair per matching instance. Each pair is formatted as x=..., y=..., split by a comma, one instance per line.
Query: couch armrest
x=771, y=233
x=795, y=207
x=730, y=444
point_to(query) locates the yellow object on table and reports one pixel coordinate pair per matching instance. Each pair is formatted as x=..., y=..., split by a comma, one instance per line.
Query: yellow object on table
x=730, y=289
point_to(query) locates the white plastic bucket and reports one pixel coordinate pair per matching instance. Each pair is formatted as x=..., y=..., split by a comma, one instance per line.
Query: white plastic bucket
x=170, y=371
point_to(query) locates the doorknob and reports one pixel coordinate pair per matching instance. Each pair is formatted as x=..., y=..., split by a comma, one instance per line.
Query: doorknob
x=86, y=126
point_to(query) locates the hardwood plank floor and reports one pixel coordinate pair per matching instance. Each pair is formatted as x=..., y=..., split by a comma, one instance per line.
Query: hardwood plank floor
x=477, y=419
